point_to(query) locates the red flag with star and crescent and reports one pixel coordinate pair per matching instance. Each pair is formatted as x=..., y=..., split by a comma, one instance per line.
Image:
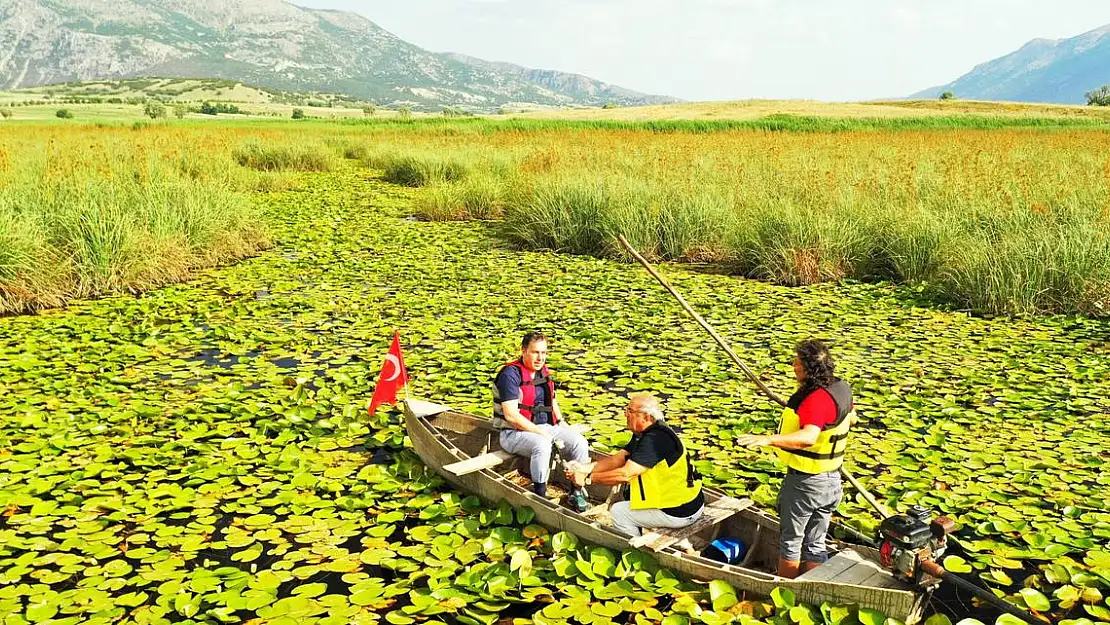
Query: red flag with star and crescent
x=392, y=378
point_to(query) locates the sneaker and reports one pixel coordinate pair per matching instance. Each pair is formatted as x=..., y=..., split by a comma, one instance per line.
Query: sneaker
x=578, y=500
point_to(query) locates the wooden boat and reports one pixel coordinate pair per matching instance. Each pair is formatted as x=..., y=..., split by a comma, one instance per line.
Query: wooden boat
x=464, y=449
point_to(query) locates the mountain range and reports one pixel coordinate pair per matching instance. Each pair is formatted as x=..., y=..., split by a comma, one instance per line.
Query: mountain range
x=1043, y=70
x=273, y=44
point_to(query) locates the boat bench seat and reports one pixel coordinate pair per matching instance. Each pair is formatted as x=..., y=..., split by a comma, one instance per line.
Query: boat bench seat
x=716, y=512
x=478, y=463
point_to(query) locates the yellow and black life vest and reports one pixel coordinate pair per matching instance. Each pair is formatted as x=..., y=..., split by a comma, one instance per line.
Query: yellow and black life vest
x=827, y=454
x=666, y=485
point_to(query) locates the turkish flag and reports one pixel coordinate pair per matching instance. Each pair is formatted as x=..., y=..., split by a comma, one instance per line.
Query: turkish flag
x=392, y=377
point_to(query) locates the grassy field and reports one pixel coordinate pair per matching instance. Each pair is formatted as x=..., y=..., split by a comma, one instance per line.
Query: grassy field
x=85, y=113
x=754, y=109
x=116, y=100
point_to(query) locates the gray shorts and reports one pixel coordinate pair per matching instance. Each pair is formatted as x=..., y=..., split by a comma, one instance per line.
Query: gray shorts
x=806, y=504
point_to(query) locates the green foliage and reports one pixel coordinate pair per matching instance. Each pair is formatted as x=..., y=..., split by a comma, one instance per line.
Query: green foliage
x=154, y=109
x=404, y=112
x=63, y=114
x=180, y=110
x=478, y=197
x=947, y=95
x=369, y=110
x=1016, y=259
x=209, y=108
x=298, y=113
x=1099, y=97
x=418, y=170
x=202, y=452
x=6, y=112
x=771, y=123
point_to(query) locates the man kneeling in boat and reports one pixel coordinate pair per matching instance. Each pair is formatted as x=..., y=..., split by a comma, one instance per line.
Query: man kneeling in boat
x=664, y=488
x=528, y=415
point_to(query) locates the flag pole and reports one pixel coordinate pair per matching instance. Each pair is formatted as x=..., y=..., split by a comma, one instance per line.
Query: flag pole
x=398, y=335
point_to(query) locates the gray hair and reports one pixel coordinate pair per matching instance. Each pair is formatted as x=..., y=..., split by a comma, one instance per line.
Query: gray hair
x=648, y=404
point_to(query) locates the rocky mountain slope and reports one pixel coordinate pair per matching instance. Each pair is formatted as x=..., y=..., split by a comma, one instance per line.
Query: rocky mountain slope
x=269, y=43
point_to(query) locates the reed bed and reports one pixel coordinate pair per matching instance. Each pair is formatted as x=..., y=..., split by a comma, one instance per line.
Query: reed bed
x=1001, y=221
x=94, y=211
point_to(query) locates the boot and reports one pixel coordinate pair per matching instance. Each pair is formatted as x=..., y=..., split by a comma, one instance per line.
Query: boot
x=578, y=500
x=789, y=568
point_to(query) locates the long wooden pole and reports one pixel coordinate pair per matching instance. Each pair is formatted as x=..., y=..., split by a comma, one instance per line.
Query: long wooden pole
x=716, y=337
x=883, y=512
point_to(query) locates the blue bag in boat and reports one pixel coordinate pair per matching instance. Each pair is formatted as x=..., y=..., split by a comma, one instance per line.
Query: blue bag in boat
x=726, y=549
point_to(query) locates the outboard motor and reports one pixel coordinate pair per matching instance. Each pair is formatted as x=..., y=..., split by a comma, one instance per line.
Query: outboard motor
x=911, y=544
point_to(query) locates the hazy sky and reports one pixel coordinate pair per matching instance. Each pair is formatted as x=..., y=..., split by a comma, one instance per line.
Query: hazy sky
x=737, y=49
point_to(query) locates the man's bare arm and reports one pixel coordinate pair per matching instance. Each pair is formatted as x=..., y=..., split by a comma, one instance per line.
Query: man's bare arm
x=612, y=462
x=620, y=475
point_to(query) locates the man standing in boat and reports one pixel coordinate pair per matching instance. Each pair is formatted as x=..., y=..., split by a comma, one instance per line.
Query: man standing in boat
x=664, y=489
x=527, y=413
x=811, y=441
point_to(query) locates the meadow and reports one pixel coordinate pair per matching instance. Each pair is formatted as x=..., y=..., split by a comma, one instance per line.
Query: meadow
x=199, y=452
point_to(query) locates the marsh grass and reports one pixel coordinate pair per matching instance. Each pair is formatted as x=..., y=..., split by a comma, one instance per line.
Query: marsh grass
x=298, y=157
x=478, y=197
x=94, y=220
x=997, y=222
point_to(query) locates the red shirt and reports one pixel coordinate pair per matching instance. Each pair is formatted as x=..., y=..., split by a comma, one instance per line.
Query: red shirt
x=818, y=409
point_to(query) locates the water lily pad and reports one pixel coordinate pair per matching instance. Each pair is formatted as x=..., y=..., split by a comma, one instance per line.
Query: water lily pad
x=1035, y=599
x=956, y=564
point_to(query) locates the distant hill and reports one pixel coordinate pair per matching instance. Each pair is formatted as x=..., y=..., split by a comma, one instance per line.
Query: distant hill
x=269, y=43
x=132, y=90
x=1043, y=70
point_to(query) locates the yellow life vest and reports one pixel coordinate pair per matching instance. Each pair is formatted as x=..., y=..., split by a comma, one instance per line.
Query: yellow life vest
x=827, y=454
x=666, y=485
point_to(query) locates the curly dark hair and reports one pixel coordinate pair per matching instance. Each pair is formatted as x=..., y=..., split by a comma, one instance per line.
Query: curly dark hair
x=817, y=364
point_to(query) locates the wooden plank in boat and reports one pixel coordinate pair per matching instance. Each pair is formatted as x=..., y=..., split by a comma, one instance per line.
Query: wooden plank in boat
x=881, y=579
x=715, y=512
x=423, y=408
x=859, y=573
x=835, y=566
x=478, y=463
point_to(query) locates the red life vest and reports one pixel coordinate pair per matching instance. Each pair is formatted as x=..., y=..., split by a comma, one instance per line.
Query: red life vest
x=527, y=400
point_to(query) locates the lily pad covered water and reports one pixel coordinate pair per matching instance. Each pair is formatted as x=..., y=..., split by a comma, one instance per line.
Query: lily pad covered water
x=200, y=453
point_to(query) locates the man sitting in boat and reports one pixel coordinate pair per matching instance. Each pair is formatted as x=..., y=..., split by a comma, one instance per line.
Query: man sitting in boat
x=664, y=488
x=527, y=413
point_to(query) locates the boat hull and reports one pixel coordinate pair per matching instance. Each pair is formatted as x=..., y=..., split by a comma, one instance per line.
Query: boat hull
x=437, y=450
